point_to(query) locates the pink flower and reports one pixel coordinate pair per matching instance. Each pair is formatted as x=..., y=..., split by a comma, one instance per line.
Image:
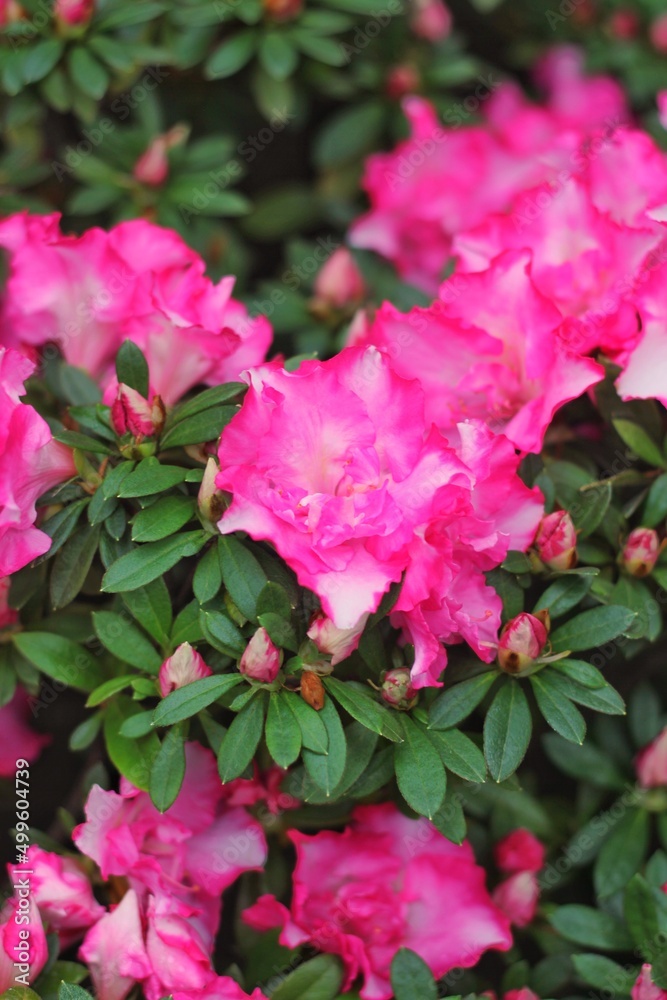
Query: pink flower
x=152, y=167
x=63, y=894
x=130, y=412
x=384, y=883
x=490, y=347
x=265, y=786
x=645, y=988
x=521, y=642
x=261, y=658
x=556, y=541
x=333, y=465
x=16, y=735
x=641, y=551
x=23, y=945
x=339, y=643
x=661, y=101
x=74, y=12
x=218, y=988
x=518, y=897
x=431, y=19
x=138, y=281
x=651, y=763
x=8, y=616
x=397, y=689
x=183, y=667
x=114, y=950
x=31, y=462
x=519, y=851
x=658, y=33
x=339, y=281
x=522, y=994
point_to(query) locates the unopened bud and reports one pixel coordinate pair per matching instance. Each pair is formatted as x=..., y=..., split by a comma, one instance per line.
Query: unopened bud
x=210, y=499
x=397, y=689
x=431, y=19
x=183, y=667
x=131, y=413
x=152, y=167
x=339, y=643
x=521, y=642
x=282, y=10
x=261, y=659
x=641, y=551
x=556, y=541
x=651, y=763
x=312, y=689
x=339, y=280
x=658, y=33
x=517, y=897
x=73, y=13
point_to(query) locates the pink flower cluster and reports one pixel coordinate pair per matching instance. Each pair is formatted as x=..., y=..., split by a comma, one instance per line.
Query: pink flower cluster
x=384, y=883
x=87, y=294
x=338, y=467
x=170, y=870
x=554, y=218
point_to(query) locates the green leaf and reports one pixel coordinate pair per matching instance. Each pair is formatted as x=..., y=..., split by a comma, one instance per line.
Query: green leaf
x=168, y=770
x=365, y=710
x=598, y=971
x=242, y=739
x=586, y=762
x=590, y=508
x=639, y=441
x=83, y=735
x=151, y=607
x=71, y=565
x=558, y=711
x=641, y=916
x=164, y=517
x=192, y=698
x=87, y=73
x=585, y=674
x=61, y=525
x=138, y=725
x=361, y=744
x=655, y=508
x=61, y=659
x=507, y=730
x=592, y=928
x=125, y=641
x=243, y=576
x=277, y=55
x=230, y=56
x=150, y=477
x=622, y=853
x=326, y=769
x=273, y=599
x=592, y=628
x=41, y=59
x=200, y=427
x=205, y=400
x=283, y=733
x=115, y=478
x=187, y=625
x=131, y=756
x=457, y=702
x=318, y=979
x=349, y=133
x=411, y=978
x=420, y=773
x=107, y=689
x=222, y=633
x=147, y=562
x=69, y=991
x=208, y=576
x=132, y=368
x=314, y=735
x=459, y=754
x=450, y=819
x=564, y=594
x=602, y=699
x=280, y=631
x=101, y=507
x=377, y=774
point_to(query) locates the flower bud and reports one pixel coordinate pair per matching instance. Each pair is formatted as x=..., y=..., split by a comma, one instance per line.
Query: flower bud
x=401, y=80
x=282, y=10
x=152, y=167
x=658, y=33
x=73, y=13
x=183, y=667
x=519, y=851
x=645, y=988
x=517, y=897
x=521, y=642
x=556, y=541
x=397, y=689
x=641, y=551
x=10, y=13
x=312, y=689
x=431, y=19
x=336, y=642
x=130, y=412
x=210, y=499
x=339, y=280
x=523, y=994
x=651, y=763
x=661, y=101
x=624, y=24
x=261, y=659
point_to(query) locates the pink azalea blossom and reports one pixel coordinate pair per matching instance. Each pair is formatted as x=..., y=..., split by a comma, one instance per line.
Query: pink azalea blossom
x=17, y=734
x=8, y=616
x=74, y=12
x=218, y=988
x=333, y=464
x=114, y=950
x=384, y=883
x=138, y=281
x=22, y=940
x=517, y=896
x=31, y=462
x=519, y=851
x=184, y=666
x=431, y=19
x=338, y=643
x=651, y=763
x=264, y=787
x=645, y=988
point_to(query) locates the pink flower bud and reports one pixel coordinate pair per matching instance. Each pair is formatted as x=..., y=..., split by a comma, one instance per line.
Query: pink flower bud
x=7, y=615
x=339, y=281
x=645, y=988
x=658, y=33
x=641, y=551
x=282, y=10
x=397, y=689
x=10, y=12
x=181, y=668
x=152, y=166
x=432, y=19
x=402, y=80
x=556, y=541
x=521, y=642
x=131, y=412
x=624, y=24
x=336, y=642
x=210, y=499
x=517, y=897
x=519, y=851
x=661, y=101
x=651, y=763
x=261, y=660
x=74, y=12
x=522, y=994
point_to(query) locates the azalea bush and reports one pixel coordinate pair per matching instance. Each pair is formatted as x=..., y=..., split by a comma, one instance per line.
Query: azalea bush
x=333, y=500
